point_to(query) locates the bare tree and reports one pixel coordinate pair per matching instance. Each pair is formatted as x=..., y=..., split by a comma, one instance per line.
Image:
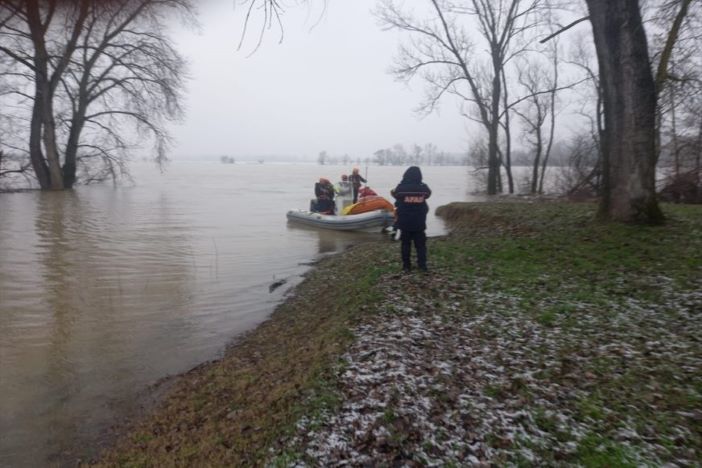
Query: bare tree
x=679, y=9
x=28, y=29
x=582, y=57
x=580, y=174
x=10, y=165
x=442, y=52
x=417, y=155
x=677, y=45
x=538, y=106
x=430, y=151
x=269, y=13
x=534, y=114
x=128, y=72
x=382, y=156
x=629, y=107
x=95, y=66
x=630, y=97
x=552, y=104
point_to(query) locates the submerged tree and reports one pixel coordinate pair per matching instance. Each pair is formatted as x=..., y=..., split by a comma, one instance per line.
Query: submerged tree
x=95, y=67
x=45, y=53
x=128, y=72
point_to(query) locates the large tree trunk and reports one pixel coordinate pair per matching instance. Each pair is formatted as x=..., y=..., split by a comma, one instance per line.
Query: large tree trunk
x=51, y=146
x=77, y=124
x=36, y=155
x=47, y=164
x=630, y=111
x=71, y=156
x=43, y=123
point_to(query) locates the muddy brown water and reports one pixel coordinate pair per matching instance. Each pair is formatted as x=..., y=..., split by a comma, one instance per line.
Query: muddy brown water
x=104, y=290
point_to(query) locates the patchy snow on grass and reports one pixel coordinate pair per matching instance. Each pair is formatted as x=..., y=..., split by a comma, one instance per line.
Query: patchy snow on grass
x=433, y=379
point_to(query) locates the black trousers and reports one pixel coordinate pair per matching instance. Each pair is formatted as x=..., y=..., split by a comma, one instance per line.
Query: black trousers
x=420, y=245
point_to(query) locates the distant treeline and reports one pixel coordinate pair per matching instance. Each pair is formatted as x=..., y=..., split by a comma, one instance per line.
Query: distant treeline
x=398, y=155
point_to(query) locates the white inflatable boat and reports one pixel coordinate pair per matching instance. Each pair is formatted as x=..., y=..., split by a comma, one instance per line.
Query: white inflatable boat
x=370, y=219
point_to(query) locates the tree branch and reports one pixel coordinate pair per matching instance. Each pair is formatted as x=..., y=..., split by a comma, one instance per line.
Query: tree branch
x=565, y=28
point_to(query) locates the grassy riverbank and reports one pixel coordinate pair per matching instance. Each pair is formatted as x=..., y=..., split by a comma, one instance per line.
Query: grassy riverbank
x=539, y=336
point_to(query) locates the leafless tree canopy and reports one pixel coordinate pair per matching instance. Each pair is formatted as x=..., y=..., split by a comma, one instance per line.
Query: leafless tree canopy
x=262, y=16
x=469, y=49
x=72, y=72
x=88, y=79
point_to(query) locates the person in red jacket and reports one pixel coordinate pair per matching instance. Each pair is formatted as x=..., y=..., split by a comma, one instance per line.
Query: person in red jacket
x=411, y=195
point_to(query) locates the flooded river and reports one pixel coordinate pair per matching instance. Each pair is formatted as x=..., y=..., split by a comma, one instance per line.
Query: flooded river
x=104, y=290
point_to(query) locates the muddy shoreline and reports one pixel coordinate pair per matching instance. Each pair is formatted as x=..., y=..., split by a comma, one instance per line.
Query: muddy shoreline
x=539, y=337
x=155, y=396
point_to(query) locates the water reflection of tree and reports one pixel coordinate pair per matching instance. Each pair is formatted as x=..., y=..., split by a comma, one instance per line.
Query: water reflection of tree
x=117, y=278
x=57, y=216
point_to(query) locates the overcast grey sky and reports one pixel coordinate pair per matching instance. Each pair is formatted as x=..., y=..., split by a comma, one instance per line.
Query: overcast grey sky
x=325, y=87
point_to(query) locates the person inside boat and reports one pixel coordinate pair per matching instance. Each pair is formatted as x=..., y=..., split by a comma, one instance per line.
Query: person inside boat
x=343, y=190
x=324, y=191
x=343, y=187
x=356, y=181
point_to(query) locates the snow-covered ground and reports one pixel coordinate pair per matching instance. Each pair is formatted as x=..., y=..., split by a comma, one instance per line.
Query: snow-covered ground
x=448, y=372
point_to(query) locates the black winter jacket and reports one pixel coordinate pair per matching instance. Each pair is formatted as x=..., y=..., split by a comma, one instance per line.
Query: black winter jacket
x=324, y=191
x=411, y=195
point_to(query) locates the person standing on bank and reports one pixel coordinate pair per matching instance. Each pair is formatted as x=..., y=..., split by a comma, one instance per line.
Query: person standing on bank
x=411, y=195
x=356, y=180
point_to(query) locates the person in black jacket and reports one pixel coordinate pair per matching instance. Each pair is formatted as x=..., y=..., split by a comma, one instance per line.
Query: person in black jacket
x=324, y=191
x=356, y=179
x=411, y=195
